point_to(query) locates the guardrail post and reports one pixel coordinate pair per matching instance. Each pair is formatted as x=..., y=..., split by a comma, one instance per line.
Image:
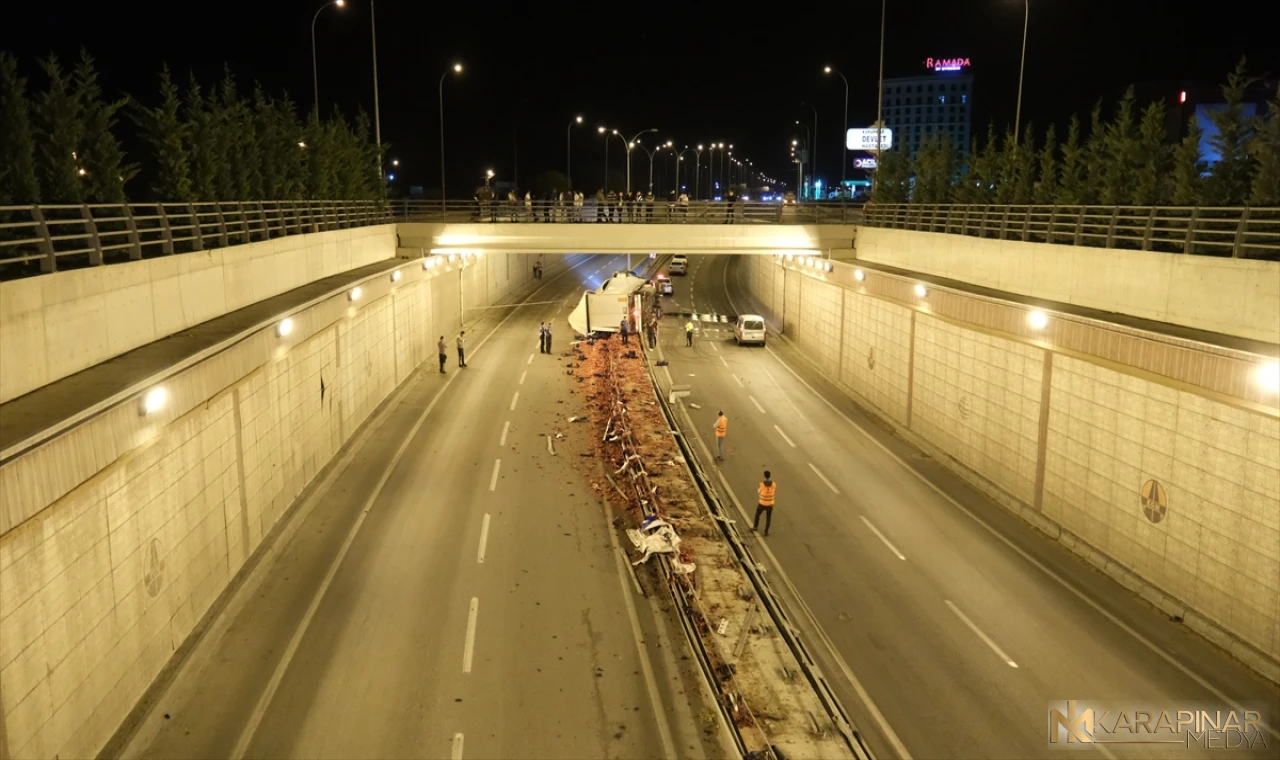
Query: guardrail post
x=262, y=219
x=964, y=224
x=245, y=234
x=986, y=214
x=1080, y=210
x=1151, y=227
x=135, y=244
x=91, y=231
x=223, y=240
x=1004, y=223
x=1189, y=243
x=1240, y=230
x=166, y=231
x=1026, y=224
x=49, y=263
x=1053, y=222
x=1111, y=228
x=197, y=229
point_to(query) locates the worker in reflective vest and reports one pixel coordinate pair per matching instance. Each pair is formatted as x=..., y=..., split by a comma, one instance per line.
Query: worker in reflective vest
x=766, y=490
x=722, y=427
x=688, y=333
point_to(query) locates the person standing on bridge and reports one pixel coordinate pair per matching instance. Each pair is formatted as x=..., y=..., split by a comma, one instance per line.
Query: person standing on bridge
x=462, y=348
x=764, y=505
x=688, y=333
x=722, y=427
x=444, y=353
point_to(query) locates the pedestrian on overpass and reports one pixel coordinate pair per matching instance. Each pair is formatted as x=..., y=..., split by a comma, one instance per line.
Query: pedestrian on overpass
x=688, y=333
x=722, y=427
x=462, y=348
x=764, y=505
x=444, y=353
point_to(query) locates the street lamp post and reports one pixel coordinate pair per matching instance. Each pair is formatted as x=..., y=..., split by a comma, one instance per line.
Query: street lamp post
x=1017, y=117
x=651, y=154
x=815, y=137
x=457, y=69
x=605, y=133
x=377, y=116
x=844, y=140
x=568, y=160
x=630, y=143
x=808, y=140
x=697, y=171
x=315, y=76
x=679, y=158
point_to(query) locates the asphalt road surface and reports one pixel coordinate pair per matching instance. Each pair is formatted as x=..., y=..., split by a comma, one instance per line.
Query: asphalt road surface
x=946, y=625
x=449, y=590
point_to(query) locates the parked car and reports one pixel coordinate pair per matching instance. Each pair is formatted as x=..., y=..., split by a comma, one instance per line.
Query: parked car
x=749, y=329
x=679, y=264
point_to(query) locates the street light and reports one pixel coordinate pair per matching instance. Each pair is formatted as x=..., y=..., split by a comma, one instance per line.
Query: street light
x=456, y=69
x=808, y=141
x=651, y=153
x=605, y=132
x=844, y=140
x=568, y=160
x=1026, y=19
x=488, y=175
x=815, y=137
x=697, y=171
x=629, y=144
x=315, y=78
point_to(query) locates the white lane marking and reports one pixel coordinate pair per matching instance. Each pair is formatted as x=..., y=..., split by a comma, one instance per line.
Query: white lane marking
x=738, y=380
x=505, y=427
x=978, y=631
x=514, y=399
x=757, y=403
x=1082, y=596
x=522, y=374
x=469, y=648
x=880, y=536
x=456, y=752
x=268, y=694
x=784, y=436
x=858, y=688
x=818, y=472
x=528, y=362
x=493, y=479
x=484, y=539
x=722, y=361
x=714, y=347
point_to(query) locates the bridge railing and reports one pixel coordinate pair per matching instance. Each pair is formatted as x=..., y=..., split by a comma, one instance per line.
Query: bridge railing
x=43, y=239
x=1235, y=232
x=660, y=211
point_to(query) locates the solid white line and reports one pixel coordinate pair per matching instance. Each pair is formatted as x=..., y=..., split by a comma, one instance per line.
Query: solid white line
x=264, y=699
x=646, y=667
x=985, y=638
x=484, y=538
x=818, y=472
x=722, y=361
x=757, y=403
x=879, y=535
x=714, y=347
x=738, y=380
x=469, y=648
x=514, y=399
x=505, y=427
x=522, y=374
x=456, y=753
x=784, y=436
x=493, y=479
x=528, y=362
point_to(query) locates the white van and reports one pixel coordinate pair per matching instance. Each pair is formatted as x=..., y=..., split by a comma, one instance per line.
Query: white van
x=679, y=264
x=749, y=329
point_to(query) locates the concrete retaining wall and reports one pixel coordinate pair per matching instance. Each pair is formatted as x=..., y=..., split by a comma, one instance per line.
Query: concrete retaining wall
x=127, y=548
x=976, y=398
x=1233, y=296
x=58, y=324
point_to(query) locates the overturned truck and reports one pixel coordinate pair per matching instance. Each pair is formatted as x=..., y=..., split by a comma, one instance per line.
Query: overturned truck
x=603, y=309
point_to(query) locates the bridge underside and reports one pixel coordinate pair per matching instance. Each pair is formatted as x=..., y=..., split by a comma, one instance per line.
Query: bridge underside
x=624, y=238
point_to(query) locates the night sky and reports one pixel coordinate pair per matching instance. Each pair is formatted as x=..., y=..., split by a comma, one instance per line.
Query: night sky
x=699, y=72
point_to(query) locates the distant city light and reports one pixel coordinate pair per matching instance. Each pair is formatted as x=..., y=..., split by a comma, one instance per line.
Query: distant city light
x=1182, y=97
x=391, y=177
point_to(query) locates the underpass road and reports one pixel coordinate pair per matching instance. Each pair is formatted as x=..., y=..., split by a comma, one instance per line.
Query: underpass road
x=472, y=607
x=959, y=623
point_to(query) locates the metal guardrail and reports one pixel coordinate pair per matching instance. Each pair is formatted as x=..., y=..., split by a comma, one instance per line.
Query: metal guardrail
x=1235, y=232
x=44, y=239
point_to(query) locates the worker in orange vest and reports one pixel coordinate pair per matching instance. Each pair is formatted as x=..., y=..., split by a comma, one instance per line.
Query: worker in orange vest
x=722, y=426
x=766, y=491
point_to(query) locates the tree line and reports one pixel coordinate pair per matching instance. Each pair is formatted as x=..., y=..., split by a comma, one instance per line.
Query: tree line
x=1124, y=160
x=61, y=143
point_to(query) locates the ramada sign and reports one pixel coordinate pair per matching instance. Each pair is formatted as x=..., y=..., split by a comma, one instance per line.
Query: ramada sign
x=946, y=64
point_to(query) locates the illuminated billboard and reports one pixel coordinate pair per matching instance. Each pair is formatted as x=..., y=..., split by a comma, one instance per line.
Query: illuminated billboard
x=946, y=64
x=869, y=138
